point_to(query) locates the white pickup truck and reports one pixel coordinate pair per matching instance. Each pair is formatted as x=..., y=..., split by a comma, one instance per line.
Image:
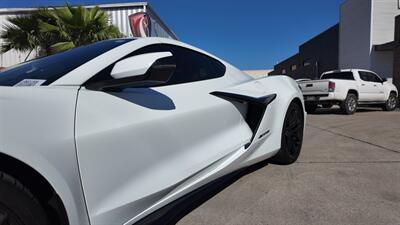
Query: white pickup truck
x=348, y=89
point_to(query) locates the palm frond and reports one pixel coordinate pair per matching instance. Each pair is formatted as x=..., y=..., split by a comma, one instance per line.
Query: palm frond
x=63, y=46
x=57, y=29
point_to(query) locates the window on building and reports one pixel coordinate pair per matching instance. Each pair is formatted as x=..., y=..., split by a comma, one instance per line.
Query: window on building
x=283, y=71
x=293, y=67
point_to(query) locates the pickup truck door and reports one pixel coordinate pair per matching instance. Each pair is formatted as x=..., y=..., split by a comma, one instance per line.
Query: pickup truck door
x=367, y=88
x=378, y=92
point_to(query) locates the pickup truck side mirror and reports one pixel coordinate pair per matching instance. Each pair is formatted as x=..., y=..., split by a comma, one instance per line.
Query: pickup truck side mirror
x=145, y=70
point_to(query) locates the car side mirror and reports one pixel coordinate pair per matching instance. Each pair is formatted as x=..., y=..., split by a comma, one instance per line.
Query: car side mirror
x=145, y=70
x=384, y=79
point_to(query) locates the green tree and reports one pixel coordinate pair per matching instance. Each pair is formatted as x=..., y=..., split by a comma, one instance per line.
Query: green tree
x=76, y=26
x=22, y=33
x=58, y=29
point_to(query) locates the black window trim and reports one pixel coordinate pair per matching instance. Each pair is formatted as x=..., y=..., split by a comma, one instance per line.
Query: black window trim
x=338, y=72
x=368, y=73
x=376, y=76
x=90, y=81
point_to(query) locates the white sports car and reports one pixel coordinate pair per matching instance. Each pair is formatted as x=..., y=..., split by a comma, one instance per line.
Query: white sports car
x=114, y=132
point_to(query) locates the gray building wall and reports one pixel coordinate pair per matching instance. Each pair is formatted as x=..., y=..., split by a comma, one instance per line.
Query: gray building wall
x=363, y=24
x=355, y=33
x=382, y=31
x=396, y=64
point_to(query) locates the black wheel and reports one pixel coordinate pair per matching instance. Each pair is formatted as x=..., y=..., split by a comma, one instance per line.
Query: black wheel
x=327, y=105
x=349, y=105
x=391, y=103
x=292, y=136
x=311, y=107
x=17, y=205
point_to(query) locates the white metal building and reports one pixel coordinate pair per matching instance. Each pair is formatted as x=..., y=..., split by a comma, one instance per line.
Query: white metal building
x=118, y=15
x=365, y=24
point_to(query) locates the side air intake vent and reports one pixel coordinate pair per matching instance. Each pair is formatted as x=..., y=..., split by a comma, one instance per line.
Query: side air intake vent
x=256, y=108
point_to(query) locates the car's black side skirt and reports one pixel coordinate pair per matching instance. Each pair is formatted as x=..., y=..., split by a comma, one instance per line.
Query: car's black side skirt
x=176, y=210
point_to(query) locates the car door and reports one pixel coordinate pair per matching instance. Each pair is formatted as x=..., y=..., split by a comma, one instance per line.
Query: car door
x=136, y=145
x=378, y=92
x=367, y=89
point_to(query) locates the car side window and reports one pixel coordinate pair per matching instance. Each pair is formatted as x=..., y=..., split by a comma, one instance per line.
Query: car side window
x=364, y=76
x=370, y=77
x=191, y=66
x=375, y=78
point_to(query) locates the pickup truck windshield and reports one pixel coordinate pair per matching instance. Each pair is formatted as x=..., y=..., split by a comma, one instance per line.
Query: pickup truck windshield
x=338, y=75
x=46, y=70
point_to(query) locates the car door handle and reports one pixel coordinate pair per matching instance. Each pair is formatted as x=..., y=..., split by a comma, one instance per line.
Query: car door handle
x=375, y=85
x=362, y=84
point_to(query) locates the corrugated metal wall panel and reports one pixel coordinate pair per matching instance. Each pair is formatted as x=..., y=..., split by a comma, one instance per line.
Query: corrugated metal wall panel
x=119, y=18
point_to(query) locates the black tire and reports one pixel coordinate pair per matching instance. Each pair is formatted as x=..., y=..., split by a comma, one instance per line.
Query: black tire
x=292, y=136
x=349, y=105
x=17, y=204
x=311, y=107
x=391, y=103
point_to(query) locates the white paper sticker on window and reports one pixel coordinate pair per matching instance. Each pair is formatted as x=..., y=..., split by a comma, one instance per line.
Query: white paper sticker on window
x=29, y=83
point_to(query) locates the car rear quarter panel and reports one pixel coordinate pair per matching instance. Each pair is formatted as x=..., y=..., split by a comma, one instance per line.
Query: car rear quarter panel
x=286, y=90
x=37, y=128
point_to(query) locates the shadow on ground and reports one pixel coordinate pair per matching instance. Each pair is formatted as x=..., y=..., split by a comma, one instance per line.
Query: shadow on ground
x=175, y=211
x=337, y=111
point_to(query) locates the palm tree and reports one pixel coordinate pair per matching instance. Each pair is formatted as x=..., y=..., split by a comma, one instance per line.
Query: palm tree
x=55, y=30
x=22, y=33
x=78, y=26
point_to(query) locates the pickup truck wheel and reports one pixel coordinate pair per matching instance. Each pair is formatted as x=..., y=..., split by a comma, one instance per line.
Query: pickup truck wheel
x=17, y=205
x=391, y=103
x=349, y=105
x=292, y=136
x=311, y=107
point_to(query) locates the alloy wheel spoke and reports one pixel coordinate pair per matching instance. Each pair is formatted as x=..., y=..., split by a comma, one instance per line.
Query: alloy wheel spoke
x=296, y=126
x=392, y=102
x=293, y=121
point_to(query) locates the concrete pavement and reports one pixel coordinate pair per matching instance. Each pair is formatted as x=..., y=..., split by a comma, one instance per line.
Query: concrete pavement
x=348, y=173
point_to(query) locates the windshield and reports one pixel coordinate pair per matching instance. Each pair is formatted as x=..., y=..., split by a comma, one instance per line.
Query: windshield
x=45, y=71
x=338, y=75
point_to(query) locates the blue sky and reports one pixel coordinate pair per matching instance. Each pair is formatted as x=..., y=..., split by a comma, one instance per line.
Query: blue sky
x=252, y=34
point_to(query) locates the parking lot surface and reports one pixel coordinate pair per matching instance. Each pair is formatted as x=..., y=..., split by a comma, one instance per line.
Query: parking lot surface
x=348, y=173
